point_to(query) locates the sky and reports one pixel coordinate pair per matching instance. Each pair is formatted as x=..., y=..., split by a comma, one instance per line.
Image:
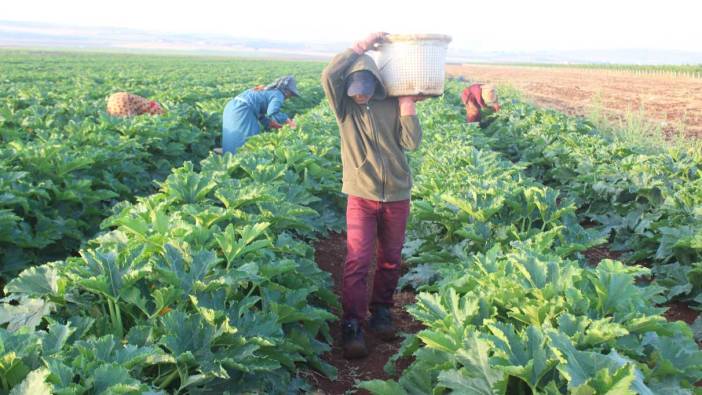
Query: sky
x=502, y=25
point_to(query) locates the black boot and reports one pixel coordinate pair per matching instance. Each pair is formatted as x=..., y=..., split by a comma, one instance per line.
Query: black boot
x=381, y=322
x=352, y=340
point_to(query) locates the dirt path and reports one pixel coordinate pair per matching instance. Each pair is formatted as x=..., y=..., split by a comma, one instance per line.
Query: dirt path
x=667, y=101
x=330, y=254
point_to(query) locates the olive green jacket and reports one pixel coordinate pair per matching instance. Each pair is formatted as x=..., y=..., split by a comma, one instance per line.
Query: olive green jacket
x=374, y=137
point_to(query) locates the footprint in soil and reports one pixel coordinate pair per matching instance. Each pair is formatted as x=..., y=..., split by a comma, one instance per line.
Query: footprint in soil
x=330, y=254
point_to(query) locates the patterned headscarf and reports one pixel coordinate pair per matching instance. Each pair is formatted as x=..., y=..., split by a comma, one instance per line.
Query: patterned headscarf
x=285, y=84
x=125, y=104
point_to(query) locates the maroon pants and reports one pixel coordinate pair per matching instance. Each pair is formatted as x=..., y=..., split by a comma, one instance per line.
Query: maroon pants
x=369, y=221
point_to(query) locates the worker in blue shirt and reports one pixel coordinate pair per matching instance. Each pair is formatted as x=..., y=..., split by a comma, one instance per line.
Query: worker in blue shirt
x=245, y=114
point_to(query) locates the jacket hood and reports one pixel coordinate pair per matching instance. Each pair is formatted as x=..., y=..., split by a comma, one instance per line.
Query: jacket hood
x=365, y=62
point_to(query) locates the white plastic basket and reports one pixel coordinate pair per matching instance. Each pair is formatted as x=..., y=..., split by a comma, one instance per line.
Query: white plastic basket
x=412, y=64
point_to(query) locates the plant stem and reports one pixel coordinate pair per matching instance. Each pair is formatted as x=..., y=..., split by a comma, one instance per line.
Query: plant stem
x=112, y=313
x=119, y=321
x=115, y=319
x=168, y=379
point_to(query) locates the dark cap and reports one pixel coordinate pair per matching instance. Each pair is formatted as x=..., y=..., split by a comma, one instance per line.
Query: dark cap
x=361, y=83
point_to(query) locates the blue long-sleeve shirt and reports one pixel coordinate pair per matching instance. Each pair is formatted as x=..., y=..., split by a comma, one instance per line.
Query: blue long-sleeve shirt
x=243, y=114
x=266, y=104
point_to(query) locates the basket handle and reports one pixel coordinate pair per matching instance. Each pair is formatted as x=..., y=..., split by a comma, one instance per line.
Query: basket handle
x=380, y=66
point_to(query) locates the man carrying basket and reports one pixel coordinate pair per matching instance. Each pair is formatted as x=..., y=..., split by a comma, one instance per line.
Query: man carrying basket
x=375, y=130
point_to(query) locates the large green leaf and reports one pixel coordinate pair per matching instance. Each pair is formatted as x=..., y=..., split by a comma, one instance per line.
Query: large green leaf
x=526, y=357
x=476, y=376
x=35, y=282
x=380, y=387
x=114, y=379
x=34, y=384
x=234, y=246
x=591, y=372
x=56, y=337
x=185, y=271
x=28, y=312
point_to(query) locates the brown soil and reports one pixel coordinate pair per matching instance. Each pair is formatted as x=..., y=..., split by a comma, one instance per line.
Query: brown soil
x=679, y=311
x=670, y=102
x=330, y=255
x=596, y=254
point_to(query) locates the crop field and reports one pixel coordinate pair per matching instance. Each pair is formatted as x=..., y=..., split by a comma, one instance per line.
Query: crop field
x=666, y=101
x=542, y=256
x=675, y=71
x=65, y=163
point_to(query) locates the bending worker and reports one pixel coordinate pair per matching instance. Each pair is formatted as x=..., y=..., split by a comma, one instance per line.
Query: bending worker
x=245, y=114
x=478, y=97
x=124, y=104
